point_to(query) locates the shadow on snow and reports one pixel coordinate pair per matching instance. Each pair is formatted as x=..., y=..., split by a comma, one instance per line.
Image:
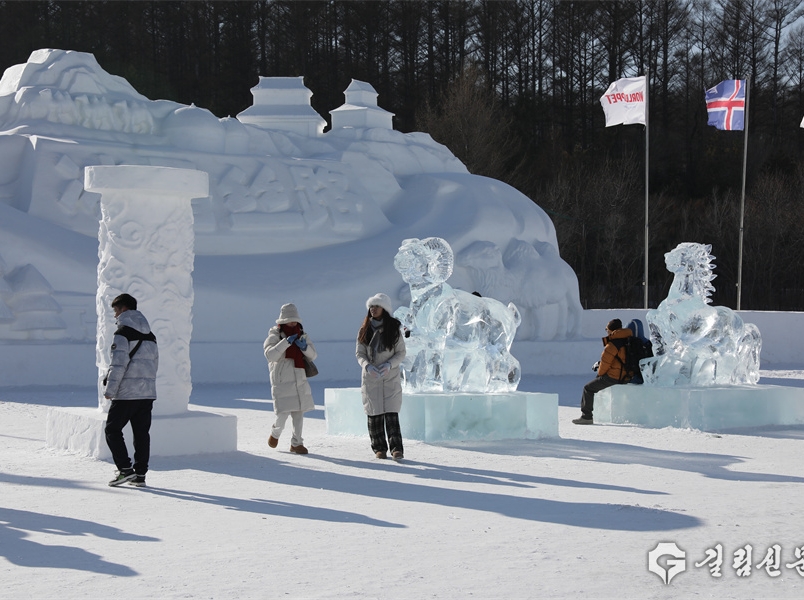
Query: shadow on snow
x=581, y=514
x=16, y=525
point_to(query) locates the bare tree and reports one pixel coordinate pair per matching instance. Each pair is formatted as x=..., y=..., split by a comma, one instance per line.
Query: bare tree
x=469, y=121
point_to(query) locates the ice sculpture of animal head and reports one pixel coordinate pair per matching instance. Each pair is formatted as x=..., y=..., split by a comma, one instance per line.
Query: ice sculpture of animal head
x=694, y=343
x=459, y=342
x=424, y=262
x=692, y=266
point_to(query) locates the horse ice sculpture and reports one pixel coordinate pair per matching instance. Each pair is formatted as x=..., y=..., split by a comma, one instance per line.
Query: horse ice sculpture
x=459, y=342
x=694, y=343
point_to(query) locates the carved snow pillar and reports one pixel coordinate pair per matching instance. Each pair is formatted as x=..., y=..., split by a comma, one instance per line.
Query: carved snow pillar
x=146, y=250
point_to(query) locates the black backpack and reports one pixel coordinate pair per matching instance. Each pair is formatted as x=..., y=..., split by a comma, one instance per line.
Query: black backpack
x=636, y=347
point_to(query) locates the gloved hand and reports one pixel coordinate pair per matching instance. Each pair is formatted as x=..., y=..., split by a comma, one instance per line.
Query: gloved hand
x=384, y=368
x=372, y=371
x=292, y=338
x=301, y=343
x=596, y=366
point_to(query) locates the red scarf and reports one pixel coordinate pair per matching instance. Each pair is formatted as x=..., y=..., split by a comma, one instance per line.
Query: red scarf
x=293, y=352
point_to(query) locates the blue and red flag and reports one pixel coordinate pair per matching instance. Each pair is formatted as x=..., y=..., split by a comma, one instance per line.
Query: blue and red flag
x=725, y=104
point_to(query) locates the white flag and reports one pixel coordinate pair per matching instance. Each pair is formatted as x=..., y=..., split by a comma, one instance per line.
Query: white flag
x=802, y=123
x=624, y=102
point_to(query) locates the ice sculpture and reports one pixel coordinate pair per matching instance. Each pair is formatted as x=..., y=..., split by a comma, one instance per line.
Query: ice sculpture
x=458, y=341
x=694, y=343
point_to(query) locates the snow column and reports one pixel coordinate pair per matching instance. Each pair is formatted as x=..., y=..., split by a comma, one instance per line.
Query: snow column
x=146, y=250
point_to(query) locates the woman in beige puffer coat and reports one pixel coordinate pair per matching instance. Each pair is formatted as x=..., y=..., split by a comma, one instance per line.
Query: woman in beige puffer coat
x=380, y=351
x=285, y=348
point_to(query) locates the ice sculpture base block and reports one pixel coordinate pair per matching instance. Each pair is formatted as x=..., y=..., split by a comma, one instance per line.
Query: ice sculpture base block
x=81, y=430
x=459, y=416
x=704, y=408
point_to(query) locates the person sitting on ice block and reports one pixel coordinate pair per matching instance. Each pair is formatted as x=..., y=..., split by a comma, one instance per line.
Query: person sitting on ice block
x=610, y=369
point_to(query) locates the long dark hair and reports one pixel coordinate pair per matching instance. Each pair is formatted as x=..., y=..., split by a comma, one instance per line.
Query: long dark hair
x=390, y=330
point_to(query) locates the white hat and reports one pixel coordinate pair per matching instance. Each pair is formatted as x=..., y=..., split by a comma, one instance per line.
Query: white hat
x=288, y=314
x=381, y=300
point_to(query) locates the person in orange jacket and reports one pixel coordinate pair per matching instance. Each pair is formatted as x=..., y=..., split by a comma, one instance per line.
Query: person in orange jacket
x=610, y=369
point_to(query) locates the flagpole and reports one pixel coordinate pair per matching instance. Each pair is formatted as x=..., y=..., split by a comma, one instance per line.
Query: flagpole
x=742, y=195
x=647, y=163
x=618, y=105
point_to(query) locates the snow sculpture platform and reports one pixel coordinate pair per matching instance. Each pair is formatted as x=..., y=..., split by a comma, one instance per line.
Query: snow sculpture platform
x=81, y=430
x=452, y=416
x=704, y=408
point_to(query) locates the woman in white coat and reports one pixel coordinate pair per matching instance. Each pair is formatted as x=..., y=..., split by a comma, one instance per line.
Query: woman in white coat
x=285, y=349
x=380, y=351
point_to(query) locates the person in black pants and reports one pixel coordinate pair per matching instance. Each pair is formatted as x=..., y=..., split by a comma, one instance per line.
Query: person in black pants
x=610, y=369
x=380, y=351
x=131, y=386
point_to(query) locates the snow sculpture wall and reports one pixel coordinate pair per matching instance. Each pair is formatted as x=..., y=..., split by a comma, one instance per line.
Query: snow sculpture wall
x=281, y=192
x=76, y=93
x=28, y=310
x=146, y=250
x=694, y=343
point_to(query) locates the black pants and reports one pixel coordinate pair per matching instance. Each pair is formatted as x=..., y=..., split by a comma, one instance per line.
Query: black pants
x=378, y=425
x=138, y=413
x=589, y=390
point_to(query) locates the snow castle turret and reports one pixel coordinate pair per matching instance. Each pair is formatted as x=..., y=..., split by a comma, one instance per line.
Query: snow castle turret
x=283, y=103
x=360, y=109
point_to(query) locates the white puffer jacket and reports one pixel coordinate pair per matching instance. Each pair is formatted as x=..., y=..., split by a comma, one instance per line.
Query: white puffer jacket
x=135, y=378
x=289, y=387
x=381, y=393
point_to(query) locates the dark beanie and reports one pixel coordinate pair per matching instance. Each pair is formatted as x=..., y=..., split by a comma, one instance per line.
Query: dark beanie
x=614, y=325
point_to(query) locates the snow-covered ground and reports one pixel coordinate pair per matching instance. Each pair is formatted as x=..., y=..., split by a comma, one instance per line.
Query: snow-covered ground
x=569, y=517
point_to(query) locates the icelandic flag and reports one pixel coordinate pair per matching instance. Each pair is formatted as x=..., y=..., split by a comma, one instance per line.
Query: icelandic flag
x=725, y=104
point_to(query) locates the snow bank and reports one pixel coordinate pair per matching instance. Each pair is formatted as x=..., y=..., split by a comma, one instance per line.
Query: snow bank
x=292, y=215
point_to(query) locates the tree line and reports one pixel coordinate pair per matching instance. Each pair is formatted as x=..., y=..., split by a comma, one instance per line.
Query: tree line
x=513, y=89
